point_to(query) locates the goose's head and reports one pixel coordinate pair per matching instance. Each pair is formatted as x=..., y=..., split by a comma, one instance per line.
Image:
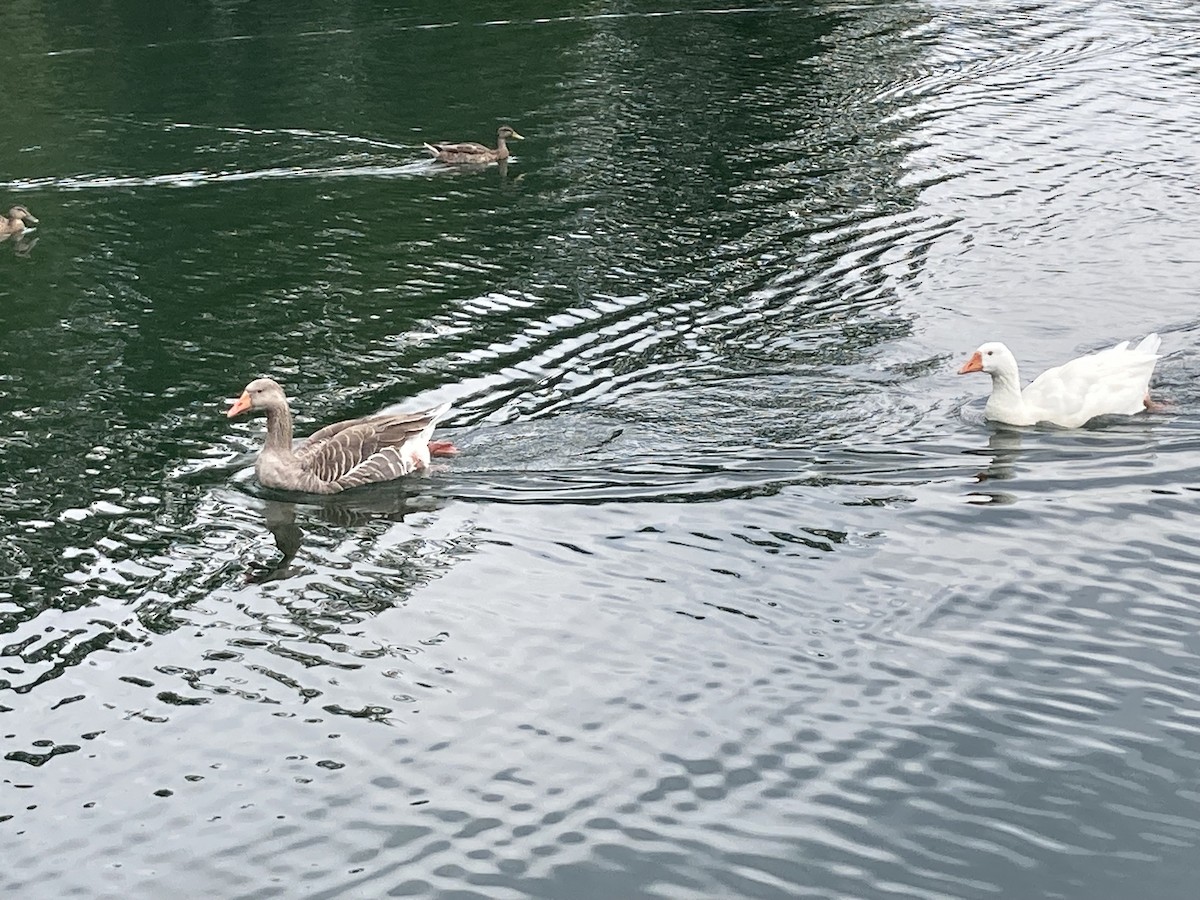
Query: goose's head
x=261, y=393
x=993, y=358
x=504, y=132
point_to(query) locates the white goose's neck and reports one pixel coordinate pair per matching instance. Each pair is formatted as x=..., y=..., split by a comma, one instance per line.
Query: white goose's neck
x=1006, y=403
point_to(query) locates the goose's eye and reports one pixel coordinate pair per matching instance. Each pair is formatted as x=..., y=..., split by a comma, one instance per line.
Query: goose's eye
x=990, y=352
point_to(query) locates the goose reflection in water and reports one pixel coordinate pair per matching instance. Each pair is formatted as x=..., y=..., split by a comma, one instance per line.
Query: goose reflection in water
x=280, y=520
x=1004, y=447
x=280, y=517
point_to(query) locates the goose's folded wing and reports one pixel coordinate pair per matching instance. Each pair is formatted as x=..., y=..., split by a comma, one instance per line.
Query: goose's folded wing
x=1111, y=381
x=332, y=452
x=363, y=451
x=386, y=464
x=317, y=439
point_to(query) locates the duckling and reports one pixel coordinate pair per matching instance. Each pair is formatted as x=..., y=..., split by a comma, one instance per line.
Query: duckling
x=15, y=222
x=470, y=152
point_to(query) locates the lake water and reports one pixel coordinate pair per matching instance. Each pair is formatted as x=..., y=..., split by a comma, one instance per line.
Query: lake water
x=732, y=591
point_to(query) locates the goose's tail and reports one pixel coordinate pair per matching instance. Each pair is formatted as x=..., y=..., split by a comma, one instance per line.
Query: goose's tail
x=437, y=448
x=1149, y=345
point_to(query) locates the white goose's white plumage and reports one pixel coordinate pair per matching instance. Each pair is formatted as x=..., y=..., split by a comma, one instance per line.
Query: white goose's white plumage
x=1115, y=381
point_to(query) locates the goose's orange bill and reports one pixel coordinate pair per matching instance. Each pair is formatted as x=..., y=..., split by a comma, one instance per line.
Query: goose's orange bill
x=243, y=403
x=974, y=364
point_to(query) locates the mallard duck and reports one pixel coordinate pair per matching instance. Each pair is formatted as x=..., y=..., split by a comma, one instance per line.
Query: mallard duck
x=340, y=456
x=16, y=221
x=470, y=152
x=1115, y=381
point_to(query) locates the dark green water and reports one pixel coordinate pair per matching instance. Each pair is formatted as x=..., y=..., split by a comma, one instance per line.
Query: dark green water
x=732, y=592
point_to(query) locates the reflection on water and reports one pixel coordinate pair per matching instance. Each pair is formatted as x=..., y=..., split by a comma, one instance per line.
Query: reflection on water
x=731, y=573
x=1004, y=448
x=355, y=508
x=22, y=244
x=281, y=522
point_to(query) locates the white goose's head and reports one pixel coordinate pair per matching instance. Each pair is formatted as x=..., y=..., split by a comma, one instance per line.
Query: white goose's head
x=993, y=358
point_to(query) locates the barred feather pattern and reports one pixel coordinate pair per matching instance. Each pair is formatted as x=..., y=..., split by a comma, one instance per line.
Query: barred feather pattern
x=365, y=451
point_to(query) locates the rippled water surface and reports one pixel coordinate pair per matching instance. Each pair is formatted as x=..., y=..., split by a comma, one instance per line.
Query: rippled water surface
x=732, y=591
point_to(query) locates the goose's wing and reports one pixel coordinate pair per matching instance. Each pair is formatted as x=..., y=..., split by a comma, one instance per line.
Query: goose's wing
x=313, y=443
x=371, y=449
x=1115, y=380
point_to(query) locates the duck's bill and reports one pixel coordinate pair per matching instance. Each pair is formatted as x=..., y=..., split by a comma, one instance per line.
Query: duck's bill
x=517, y=136
x=240, y=405
x=974, y=364
x=31, y=220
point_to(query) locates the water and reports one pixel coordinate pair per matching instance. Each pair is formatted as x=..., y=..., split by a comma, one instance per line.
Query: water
x=732, y=591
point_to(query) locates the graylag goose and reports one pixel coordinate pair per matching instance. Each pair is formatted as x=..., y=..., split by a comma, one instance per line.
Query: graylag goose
x=470, y=152
x=340, y=456
x=16, y=221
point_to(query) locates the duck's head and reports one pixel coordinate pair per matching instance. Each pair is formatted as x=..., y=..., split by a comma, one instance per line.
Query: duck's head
x=21, y=214
x=261, y=393
x=992, y=357
x=504, y=132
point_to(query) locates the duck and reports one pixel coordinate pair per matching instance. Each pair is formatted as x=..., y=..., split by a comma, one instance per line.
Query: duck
x=343, y=455
x=470, y=152
x=17, y=220
x=1115, y=381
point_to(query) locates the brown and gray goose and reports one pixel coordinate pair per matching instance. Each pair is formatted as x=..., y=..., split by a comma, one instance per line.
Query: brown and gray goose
x=16, y=221
x=340, y=456
x=470, y=152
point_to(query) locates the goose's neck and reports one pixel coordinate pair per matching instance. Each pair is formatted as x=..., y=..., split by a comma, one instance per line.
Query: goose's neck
x=279, y=430
x=1006, y=390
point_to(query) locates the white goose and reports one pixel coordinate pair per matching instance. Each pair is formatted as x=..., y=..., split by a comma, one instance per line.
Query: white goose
x=1113, y=381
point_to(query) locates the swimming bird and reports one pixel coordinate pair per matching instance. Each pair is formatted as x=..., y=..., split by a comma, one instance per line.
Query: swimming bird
x=16, y=221
x=1115, y=381
x=470, y=152
x=340, y=456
